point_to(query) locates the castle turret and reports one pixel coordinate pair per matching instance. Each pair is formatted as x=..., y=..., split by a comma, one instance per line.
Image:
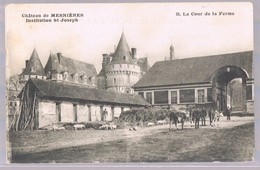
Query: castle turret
x=123, y=71
x=33, y=68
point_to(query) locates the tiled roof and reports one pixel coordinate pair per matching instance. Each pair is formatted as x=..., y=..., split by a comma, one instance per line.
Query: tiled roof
x=193, y=70
x=34, y=63
x=60, y=90
x=60, y=64
x=122, y=54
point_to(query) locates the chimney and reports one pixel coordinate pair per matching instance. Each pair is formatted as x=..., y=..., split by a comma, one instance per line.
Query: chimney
x=133, y=50
x=59, y=54
x=105, y=60
x=26, y=63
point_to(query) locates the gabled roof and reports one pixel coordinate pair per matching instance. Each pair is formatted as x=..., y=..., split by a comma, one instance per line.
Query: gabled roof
x=193, y=70
x=122, y=54
x=35, y=63
x=143, y=64
x=58, y=63
x=63, y=91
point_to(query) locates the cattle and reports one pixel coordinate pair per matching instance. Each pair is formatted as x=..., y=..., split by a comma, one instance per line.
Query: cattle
x=177, y=116
x=79, y=126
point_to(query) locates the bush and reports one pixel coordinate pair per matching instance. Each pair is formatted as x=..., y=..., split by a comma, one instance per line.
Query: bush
x=136, y=117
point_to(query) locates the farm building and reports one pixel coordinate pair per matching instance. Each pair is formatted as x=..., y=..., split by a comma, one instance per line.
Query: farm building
x=44, y=102
x=199, y=80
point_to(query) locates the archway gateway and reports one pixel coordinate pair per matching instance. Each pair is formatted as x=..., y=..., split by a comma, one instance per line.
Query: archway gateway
x=220, y=80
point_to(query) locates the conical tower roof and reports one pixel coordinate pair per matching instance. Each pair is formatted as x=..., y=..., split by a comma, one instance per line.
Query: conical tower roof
x=122, y=53
x=34, y=65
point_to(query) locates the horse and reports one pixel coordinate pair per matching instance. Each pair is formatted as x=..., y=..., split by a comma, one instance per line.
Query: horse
x=177, y=116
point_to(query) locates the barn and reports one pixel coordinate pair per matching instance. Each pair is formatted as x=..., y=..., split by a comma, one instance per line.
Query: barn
x=44, y=102
x=200, y=81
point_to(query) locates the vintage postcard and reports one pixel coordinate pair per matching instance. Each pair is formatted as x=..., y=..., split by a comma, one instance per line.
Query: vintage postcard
x=130, y=83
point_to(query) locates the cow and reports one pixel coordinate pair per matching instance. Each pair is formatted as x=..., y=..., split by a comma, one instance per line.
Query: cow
x=177, y=116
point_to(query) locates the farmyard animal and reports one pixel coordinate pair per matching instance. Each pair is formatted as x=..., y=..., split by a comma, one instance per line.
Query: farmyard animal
x=177, y=117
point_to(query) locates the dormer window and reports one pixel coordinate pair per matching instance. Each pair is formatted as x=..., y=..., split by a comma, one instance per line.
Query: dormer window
x=75, y=77
x=48, y=75
x=84, y=78
x=33, y=69
x=66, y=76
x=92, y=80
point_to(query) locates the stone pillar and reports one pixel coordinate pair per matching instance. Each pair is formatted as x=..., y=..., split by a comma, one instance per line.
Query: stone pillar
x=89, y=112
x=244, y=96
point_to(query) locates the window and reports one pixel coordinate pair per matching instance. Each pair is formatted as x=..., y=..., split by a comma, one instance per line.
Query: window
x=65, y=76
x=33, y=69
x=141, y=94
x=209, y=94
x=249, y=95
x=174, y=97
x=114, y=80
x=161, y=97
x=76, y=77
x=124, y=58
x=201, y=96
x=149, y=97
x=187, y=96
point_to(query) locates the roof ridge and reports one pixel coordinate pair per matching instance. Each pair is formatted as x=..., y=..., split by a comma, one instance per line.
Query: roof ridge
x=194, y=57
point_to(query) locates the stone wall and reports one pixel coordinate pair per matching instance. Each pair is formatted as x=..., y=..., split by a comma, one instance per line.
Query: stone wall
x=83, y=113
x=67, y=114
x=95, y=113
x=47, y=113
x=250, y=106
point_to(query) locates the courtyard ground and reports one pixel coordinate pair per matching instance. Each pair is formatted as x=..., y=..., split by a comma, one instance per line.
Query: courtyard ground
x=230, y=141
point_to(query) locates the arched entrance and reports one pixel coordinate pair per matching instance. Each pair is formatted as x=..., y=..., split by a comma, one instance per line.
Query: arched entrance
x=220, y=80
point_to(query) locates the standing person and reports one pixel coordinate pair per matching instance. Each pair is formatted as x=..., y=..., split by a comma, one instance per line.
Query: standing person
x=211, y=115
x=228, y=112
x=105, y=115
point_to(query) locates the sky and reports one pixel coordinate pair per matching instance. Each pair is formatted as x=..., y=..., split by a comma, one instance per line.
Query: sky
x=149, y=27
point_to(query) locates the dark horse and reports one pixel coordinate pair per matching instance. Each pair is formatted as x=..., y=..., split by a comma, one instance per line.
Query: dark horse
x=177, y=116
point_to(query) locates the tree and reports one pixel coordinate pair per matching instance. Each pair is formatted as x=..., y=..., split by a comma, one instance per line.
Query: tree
x=14, y=83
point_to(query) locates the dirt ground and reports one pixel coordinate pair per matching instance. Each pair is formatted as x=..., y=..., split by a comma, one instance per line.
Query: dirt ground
x=39, y=142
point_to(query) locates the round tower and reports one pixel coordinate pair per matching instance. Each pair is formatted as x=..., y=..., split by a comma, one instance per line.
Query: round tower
x=122, y=72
